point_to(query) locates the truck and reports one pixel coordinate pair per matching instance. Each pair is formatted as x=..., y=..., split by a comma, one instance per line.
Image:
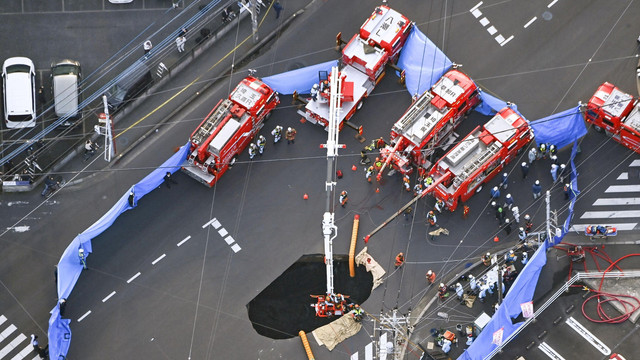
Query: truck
x=430, y=122
x=479, y=157
x=617, y=114
x=378, y=42
x=227, y=130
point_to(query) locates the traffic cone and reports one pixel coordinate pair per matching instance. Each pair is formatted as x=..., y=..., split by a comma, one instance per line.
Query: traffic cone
x=496, y=239
x=354, y=168
x=377, y=190
x=306, y=197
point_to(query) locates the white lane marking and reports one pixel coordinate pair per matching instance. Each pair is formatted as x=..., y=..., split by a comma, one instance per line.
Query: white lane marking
x=84, y=316
x=476, y=13
x=503, y=43
x=208, y=223
x=2, y=319
x=229, y=240
x=610, y=214
x=133, y=278
x=108, y=296
x=484, y=21
x=587, y=335
x=19, y=229
x=12, y=345
x=623, y=176
x=549, y=351
x=619, y=226
x=223, y=232
x=635, y=163
x=623, y=188
x=552, y=3
x=476, y=7
x=27, y=350
x=492, y=30
x=499, y=38
x=236, y=248
x=158, y=259
x=6, y=332
x=617, y=201
x=184, y=240
x=530, y=22
x=213, y=222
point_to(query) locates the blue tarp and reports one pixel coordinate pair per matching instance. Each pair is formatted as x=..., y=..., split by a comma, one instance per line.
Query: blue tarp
x=300, y=80
x=489, y=104
x=69, y=267
x=423, y=62
x=560, y=129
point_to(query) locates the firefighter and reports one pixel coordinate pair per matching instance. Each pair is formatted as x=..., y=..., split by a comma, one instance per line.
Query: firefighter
x=428, y=181
x=364, y=159
x=314, y=92
x=495, y=193
x=358, y=313
x=377, y=165
x=515, y=211
x=431, y=218
x=380, y=143
x=542, y=151
x=439, y=205
x=431, y=276
x=417, y=189
x=508, y=202
x=486, y=259
x=507, y=226
x=277, y=134
x=399, y=260
x=510, y=258
x=406, y=182
x=522, y=235
x=369, y=174
x=552, y=150
x=343, y=198
x=290, y=135
x=566, y=189
x=525, y=169
x=528, y=225
x=465, y=211
x=442, y=291
x=252, y=151
x=262, y=141
x=505, y=180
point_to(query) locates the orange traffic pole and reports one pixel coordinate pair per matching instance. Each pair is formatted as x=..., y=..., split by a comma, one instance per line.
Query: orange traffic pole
x=352, y=249
x=305, y=343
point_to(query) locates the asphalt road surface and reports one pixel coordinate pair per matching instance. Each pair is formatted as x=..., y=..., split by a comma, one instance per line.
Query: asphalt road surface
x=189, y=301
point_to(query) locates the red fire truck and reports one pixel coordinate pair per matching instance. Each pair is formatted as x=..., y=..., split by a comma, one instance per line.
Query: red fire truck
x=379, y=41
x=228, y=129
x=617, y=113
x=430, y=121
x=479, y=157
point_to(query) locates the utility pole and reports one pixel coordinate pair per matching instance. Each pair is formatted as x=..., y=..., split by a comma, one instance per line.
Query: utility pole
x=396, y=325
x=254, y=19
x=106, y=128
x=548, y=201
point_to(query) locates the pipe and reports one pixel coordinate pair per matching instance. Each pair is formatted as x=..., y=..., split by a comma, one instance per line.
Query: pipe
x=305, y=343
x=352, y=248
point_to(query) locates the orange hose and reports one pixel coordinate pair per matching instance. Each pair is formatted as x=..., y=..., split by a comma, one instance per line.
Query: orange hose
x=305, y=343
x=352, y=249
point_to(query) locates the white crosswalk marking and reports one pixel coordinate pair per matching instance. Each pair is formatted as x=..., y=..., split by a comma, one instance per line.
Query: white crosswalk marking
x=13, y=344
x=623, y=188
x=610, y=214
x=635, y=163
x=623, y=176
x=617, y=201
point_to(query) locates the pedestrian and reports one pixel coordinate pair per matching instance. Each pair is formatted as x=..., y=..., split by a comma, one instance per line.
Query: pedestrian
x=465, y=212
x=431, y=218
x=507, y=226
x=431, y=276
x=417, y=188
x=132, y=198
x=183, y=31
x=510, y=258
x=495, y=193
x=42, y=353
x=486, y=259
x=278, y=8
x=473, y=284
x=406, y=183
x=522, y=235
x=439, y=205
x=561, y=172
x=343, y=198
x=253, y=149
x=146, y=46
x=369, y=174
x=168, y=180
x=525, y=258
x=533, y=155
x=459, y=291
x=399, y=260
x=524, y=167
x=528, y=225
x=505, y=180
x=554, y=172
x=536, y=189
x=567, y=191
x=500, y=214
x=407, y=213
x=277, y=134
x=62, y=304
x=484, y=288
x=290, y=135
x=508, y=202
x=554, y=159
x=515, y=211
x=262, y=141
x=494, y=205
x=180, y=41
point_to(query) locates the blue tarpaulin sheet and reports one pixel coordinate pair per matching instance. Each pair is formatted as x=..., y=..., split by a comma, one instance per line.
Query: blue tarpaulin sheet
x=490, y=104
x=300, y=80
x=560, y=129
x=69, y=267
x=423, y=62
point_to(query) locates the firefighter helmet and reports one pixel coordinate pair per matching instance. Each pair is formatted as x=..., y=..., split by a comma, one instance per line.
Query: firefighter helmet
x=537, y=182
x=429, y=273
x=508, y=196
x=527, y=217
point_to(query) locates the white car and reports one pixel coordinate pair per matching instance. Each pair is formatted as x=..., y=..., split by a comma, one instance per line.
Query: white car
x=19, y=82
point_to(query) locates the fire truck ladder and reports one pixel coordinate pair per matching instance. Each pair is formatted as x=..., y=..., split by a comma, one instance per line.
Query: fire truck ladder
x=415, y=111
x=476, y=163
x=212, y=122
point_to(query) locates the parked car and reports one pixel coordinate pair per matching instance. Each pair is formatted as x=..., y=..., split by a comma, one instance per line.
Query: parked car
x=136, y=80
x=65, y=80
x=19, y=84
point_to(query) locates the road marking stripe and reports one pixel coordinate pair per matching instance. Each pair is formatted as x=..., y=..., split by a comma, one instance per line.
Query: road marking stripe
x=184, y=240
x=617, y=201
x=610, y=214
x=623, y=188
x=2, y=319
x=229, y=240
x=109, y=296
x=503, y=43
x=635, y=163
x=6, y=332
x=133, y=277
x=492, y=30
x=552, y=3
x=484, y=21
x=236, y=248
x=530, y=22
x=28, y=349
x=623, y=176
x=619, y=226
x=549, y=351
x=214, y=222
x=158, y=259
x=587, y=335
x=84, y=316
x=12, y=345
x=476, y=7
x=223, y=232
x=476, y=13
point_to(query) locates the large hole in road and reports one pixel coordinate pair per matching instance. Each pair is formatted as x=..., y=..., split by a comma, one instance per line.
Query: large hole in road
x=284, y=308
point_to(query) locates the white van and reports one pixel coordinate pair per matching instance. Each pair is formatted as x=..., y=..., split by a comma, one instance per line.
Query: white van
x=19, y=82
x=65, y=77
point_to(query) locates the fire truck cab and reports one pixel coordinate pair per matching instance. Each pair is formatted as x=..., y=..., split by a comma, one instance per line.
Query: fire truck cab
x=617, y=113
x=227, y=130
x=479, y=157
x=379, y=40
x=430, y=120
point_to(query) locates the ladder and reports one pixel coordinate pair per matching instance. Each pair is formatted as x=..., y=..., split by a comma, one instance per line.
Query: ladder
x=415, y=111
x=212, y=122
x=475, y=163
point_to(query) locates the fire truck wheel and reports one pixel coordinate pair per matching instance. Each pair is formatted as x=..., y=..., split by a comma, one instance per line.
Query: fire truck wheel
x=266, y=117
x=597, y=128
x=233, y=160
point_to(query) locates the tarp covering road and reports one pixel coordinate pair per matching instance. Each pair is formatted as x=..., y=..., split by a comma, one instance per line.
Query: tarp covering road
x=300, y=80
x=560, y=129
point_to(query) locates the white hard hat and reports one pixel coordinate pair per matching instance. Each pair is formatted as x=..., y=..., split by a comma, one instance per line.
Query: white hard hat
x=488, y=254
x=508, y=196
x=537, y=182
x=315, y=86
x=458, y=285
x=506, y=221
x=524, y=163
x=470, y=276
x=505, y=174
x=510, y=251
x=429, y=272
x=563, y=166
x=441, y=285
x=495, y=188
x=288, y=129
x=493, y=203
x=521, y=228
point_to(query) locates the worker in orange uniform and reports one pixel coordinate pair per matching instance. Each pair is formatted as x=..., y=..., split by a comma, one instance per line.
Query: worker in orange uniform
x=377, y=165
x=465, y=211
x=399, y=260
x=431, y=276
x=406, y=182
x=431, y=218
x=486, y=259
x=442, y=291
x=343, y=198
x=290, y=135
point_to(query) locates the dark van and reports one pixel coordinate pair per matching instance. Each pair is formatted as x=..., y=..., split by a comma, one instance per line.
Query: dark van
x=137, y=78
